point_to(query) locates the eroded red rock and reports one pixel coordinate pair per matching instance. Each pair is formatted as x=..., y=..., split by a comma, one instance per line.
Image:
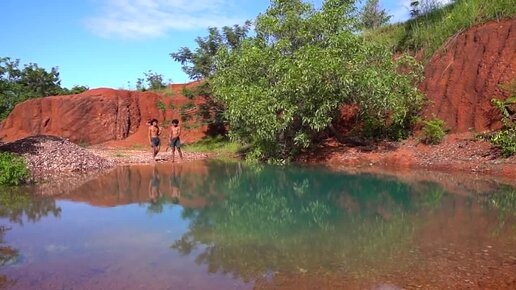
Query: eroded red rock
x=463, y=77
x=100, y=115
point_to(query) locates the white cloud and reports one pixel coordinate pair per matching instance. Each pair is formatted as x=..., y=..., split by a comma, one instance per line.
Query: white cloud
x=401, y=10
x=153, y=18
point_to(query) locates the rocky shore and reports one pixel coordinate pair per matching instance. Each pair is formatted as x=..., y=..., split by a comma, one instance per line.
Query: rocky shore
x=51, y=155
x=458, y=153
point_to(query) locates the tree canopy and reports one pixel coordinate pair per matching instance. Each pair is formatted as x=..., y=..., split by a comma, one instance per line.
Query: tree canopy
x=20, y=84
x=286, y=84
x=372, y=16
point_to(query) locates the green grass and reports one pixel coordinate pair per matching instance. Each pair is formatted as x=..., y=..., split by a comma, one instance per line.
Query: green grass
x=165, y=91
x=219, y=144
x=137, y=147
x=431, y=31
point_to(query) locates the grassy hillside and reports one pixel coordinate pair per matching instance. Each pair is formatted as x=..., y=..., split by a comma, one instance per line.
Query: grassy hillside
x=430, y=31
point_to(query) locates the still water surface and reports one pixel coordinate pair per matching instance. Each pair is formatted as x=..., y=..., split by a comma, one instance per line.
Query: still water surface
x=220, y=225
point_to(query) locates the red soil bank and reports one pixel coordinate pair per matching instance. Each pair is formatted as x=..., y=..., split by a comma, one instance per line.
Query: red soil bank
x=97, y=116
x=463, y=77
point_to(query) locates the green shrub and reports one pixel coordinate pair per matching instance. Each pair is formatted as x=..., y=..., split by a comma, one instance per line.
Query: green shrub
x=187, y=92
x=433, y=131
x=13, y=169
x=506, y=138
x=161, y=106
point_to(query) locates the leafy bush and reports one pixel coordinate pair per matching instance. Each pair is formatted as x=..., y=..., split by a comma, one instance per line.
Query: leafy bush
x=187, y=92
x=433, y=131
x=13, y=169
x=506, y=138
x=285, y=85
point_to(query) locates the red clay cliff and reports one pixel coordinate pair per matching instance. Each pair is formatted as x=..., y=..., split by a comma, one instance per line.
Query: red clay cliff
x=463, y=77
x=97, y=116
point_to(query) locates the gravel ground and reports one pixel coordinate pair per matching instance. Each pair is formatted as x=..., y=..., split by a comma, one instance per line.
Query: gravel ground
x=54, y=155
x=124, y=156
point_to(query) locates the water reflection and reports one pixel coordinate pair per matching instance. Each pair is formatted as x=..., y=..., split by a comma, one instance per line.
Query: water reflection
x=295, y=221
x=276, y=227
x=7, y=255
x=17, y=205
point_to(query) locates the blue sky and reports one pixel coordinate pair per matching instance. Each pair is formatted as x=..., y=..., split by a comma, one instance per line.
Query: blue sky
x=108, y=43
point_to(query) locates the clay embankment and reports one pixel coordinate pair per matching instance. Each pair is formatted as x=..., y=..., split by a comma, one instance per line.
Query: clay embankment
x=102, y=115
x=460, y=81
x=463, y=77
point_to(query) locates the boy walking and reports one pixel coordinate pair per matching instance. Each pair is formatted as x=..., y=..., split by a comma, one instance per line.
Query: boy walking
x=154, y=132
x=175, y=142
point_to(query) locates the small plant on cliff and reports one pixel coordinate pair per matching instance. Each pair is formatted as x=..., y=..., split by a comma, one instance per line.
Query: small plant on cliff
x=13, y=169
x=161, y=106
x=506, y=137
x=433, y=131
x=187, y=92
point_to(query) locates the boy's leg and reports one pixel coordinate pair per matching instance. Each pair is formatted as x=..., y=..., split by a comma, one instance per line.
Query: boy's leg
x=180, y=152
x=173, y=153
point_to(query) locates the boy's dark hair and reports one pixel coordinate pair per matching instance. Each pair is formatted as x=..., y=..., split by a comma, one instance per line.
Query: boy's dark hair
x=175, y=121
x=153, y=120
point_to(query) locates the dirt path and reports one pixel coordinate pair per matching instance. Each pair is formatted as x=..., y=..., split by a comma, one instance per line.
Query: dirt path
x=129, y=156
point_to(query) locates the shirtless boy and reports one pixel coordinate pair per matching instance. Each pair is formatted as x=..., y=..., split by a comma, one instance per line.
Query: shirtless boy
x=175, y=132
x=154, y=132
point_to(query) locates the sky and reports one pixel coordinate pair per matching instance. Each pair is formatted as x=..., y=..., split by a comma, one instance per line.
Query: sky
x=111, y=43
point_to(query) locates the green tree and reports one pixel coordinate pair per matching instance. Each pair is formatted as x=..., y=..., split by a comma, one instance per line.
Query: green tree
x=20, y=84
x=154, y=80
x=372, y=16
x=77, y=89
x=422, y=7
x=151, y=81
x=285, y=85
x=200, y=64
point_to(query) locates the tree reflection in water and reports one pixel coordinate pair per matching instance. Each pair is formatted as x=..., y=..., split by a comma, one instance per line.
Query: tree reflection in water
x=274, y=219
x=7, y=255
x=15, y=204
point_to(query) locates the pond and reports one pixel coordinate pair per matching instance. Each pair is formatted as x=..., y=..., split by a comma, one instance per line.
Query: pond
x=227, y=225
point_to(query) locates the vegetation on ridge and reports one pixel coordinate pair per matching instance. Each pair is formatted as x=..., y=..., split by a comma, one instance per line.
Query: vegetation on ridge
x=430, y=31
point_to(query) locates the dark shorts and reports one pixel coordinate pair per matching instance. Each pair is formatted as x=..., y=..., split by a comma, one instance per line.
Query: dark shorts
x=175, y=142
x=155, y=142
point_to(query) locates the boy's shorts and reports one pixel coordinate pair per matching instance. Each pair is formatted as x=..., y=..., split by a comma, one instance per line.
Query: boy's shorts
x=155, y=141
x=175, y=142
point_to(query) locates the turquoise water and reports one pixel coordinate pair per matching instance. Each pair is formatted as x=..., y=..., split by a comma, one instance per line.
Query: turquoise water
x=223, y=225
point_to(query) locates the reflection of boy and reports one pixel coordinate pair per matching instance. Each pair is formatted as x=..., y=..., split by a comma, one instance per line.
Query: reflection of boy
x=154, y=184
x=175, y=142
x=174, y=184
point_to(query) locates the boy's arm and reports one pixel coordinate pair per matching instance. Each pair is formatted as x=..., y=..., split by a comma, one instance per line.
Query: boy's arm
x=149, y=134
